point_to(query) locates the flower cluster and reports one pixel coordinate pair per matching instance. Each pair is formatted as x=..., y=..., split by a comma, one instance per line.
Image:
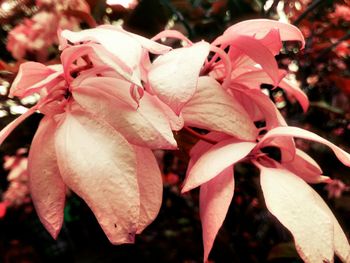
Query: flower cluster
x=34, y=36
x=17, y=193
x=108, y=105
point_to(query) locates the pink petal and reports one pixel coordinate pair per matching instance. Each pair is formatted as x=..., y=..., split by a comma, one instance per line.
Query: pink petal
x=31, y=77
x=173, y=76
x=254, y=49
x=263, y=109
x=146, y=43
x=172, y=34
x=151, y=186
x=12, y=125
x=272, y=40
x=296, y=92
x=254, y=78
x=260, y=27
x=98, y=164
x=118, y=44
x=100, y=56
x=311, y=171
x=146, y=126
x=341, y=243
x=46, y=186
x=215, y=198
x=214, y=109
x=343, y=156
x=211, y=163
x=292, y=201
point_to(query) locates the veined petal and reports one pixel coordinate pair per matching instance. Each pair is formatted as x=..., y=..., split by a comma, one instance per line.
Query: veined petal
x=31, y=77
x=341, y=243
x=289, y=131
x=46, y=185
x=260, y=27
x=211, y=163
x=215, y=198
x=118, y=88
x=151, y=186
x=214, y=109
x=98, y=164
x=146, y=126
x=173, y=76
x=292, y=202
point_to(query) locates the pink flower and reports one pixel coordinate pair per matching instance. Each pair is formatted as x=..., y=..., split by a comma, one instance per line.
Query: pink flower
x=336, y=188
x=97, y=133
x=304, y=213
x=34, y=37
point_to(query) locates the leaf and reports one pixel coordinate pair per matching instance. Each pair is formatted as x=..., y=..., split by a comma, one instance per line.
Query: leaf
x=46, y=185
x=211, y=163
x=151, y=186
x=214, y=109
x=98, y=164
x=173, y=76
x=215, y=198
x=292, y=202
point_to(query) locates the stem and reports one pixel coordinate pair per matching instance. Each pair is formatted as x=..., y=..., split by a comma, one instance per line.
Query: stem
x=328, y=49
x=179, y=16
x=308, y=10
x=273, y=7
x=199, y=136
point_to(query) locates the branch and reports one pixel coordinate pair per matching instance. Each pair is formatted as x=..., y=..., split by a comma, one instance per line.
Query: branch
x=308, y=10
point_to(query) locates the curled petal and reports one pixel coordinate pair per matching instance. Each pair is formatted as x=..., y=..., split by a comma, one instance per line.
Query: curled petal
x=211, y=163
x=343, y=156
x=292, y=202
x=214, y=109
x=254, y=49
x=173, y=76
x=117, y=49
x=98, y=164
x=46, y=185
x=33, y=76
x=99, y=56
x=311, y=171
x=215, y=198
x=296, y=92
x=260, y=27
x=151, y=186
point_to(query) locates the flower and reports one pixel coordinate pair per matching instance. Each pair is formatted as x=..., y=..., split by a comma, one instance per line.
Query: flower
x=97, y=133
